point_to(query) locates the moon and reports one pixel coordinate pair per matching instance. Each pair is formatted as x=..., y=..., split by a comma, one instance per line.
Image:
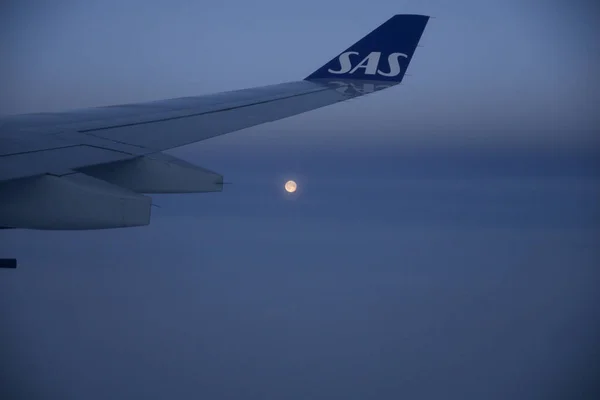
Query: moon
x=290, y=186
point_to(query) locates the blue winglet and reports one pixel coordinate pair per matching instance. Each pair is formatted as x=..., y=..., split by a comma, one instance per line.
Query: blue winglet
x=382, y=55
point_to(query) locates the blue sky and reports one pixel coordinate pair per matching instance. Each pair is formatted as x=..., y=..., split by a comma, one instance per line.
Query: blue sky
x=444, y=242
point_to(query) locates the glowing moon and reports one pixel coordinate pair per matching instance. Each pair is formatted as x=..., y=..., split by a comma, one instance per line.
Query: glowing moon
x=290, y=186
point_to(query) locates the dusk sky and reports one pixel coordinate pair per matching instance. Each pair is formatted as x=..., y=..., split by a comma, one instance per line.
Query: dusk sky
x=443, y=243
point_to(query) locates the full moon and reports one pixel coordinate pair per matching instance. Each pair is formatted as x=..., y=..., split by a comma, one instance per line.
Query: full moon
x=290, y=186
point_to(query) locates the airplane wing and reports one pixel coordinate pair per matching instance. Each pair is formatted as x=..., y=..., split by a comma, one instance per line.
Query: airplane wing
x=87, y=169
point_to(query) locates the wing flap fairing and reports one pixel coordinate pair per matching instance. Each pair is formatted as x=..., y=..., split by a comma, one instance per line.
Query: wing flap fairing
x=158, y=173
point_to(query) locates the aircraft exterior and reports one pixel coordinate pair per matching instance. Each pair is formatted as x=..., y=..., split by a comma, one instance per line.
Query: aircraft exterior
x=91, y=168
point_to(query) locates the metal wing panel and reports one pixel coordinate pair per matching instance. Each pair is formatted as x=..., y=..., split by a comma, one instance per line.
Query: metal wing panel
x=110, y=116
x=57, y=161
x=24, y=143
x=178, y=131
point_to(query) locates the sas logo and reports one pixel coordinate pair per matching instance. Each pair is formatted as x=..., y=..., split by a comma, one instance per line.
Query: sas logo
x=370, y=64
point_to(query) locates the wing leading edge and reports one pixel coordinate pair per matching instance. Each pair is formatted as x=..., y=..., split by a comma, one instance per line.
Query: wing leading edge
x=99, y=160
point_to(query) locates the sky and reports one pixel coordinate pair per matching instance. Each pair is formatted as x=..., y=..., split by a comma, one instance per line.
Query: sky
x=443, y=241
